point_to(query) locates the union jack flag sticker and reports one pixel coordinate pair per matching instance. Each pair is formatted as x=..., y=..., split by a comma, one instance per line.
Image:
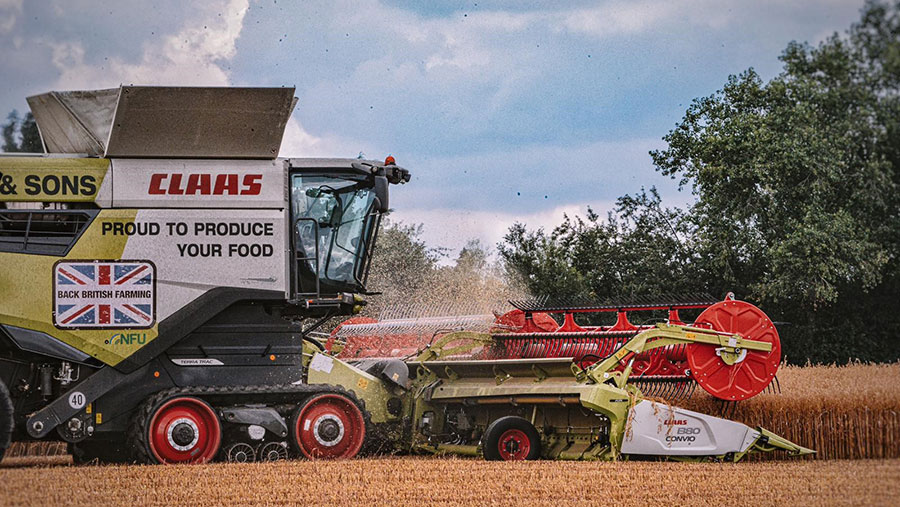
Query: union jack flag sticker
x=104, y=294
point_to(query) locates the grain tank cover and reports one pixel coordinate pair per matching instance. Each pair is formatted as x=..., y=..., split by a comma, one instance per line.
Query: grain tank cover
x=165, y=121
x=75, y=122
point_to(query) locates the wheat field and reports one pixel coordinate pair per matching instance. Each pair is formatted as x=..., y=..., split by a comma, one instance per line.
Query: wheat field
x=452, y=481
x=841, y=411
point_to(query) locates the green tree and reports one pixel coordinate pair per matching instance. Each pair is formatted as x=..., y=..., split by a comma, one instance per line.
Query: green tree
x=415, y=280
x=797, y=208
x=402, y=266
x=796, y=182
x=473, y=258
x=641, y=248
x=21, y=135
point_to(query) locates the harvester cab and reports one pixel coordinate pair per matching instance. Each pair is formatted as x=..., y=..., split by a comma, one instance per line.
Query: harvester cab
x=161, y=258
x=335, y=219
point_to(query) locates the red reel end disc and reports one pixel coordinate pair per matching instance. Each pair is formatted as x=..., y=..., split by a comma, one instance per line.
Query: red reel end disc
x=755, y=371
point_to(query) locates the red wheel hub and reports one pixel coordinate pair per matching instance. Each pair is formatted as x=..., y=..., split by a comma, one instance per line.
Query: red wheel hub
x=184, y=430
x=329, y=426
x=514, y=445
x=748, y=376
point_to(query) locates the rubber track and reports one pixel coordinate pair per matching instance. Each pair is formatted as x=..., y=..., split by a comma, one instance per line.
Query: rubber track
x=218, y=396
x=7, y=420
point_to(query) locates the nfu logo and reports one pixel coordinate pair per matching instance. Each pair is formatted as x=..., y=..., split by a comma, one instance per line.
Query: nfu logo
x=127, y=339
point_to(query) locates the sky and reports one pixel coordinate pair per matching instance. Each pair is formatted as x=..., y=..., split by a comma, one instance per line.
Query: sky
x=503, y=111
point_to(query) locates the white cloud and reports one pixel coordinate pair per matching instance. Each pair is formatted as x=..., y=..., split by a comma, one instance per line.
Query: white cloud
x=297, y=142
x=622, y=17
x=453, y=228
x=479, y=196
x=9, y=11
x=192, y=56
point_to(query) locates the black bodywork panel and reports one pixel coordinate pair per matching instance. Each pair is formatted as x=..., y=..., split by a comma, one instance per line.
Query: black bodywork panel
x=244, y=341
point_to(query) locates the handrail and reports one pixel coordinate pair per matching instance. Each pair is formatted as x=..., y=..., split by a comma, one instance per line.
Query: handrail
x=294, y=240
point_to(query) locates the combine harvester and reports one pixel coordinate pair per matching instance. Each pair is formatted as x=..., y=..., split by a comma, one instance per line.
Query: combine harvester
x=160, y=268
x=157, y=270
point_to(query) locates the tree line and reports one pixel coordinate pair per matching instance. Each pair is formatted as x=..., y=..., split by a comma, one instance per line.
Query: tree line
x=797, y=208
x=20, y=135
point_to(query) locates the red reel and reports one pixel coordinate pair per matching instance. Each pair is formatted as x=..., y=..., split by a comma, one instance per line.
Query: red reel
x=352, y=320
x=755, y=371
x=515, y=319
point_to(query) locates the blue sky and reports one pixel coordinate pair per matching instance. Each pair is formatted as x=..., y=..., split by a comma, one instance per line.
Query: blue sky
x=503, y=111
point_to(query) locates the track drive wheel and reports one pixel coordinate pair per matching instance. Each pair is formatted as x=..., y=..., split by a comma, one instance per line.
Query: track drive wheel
x=183, y=429
x=753, y=371
x=328, y=426
x=6, y=419
x=511, y=438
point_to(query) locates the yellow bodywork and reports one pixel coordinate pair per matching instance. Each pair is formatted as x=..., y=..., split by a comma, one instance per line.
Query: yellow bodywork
x=26, y=291
x=49, y=179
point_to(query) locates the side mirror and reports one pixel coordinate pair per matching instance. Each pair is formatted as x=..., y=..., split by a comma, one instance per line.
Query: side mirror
x=382, y=193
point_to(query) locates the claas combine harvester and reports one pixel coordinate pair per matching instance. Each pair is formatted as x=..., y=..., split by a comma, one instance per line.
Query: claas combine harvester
x=163, y=276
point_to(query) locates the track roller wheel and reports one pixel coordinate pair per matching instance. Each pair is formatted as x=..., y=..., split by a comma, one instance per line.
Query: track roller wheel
x=511, y=438
x=273, y=451
x=328, y=426
x=184, y=430
x=241, y=453
x=751, y=373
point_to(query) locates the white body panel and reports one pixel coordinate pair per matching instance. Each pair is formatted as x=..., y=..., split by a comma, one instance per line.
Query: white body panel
x=197, y=250
x=161, y=183
x=658, y=429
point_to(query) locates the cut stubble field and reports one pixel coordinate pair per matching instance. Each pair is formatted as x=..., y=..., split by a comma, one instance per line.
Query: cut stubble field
x=453, y=481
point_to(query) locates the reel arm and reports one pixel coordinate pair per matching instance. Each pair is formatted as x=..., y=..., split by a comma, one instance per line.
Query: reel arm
x=730, y=347
x=470, y=340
